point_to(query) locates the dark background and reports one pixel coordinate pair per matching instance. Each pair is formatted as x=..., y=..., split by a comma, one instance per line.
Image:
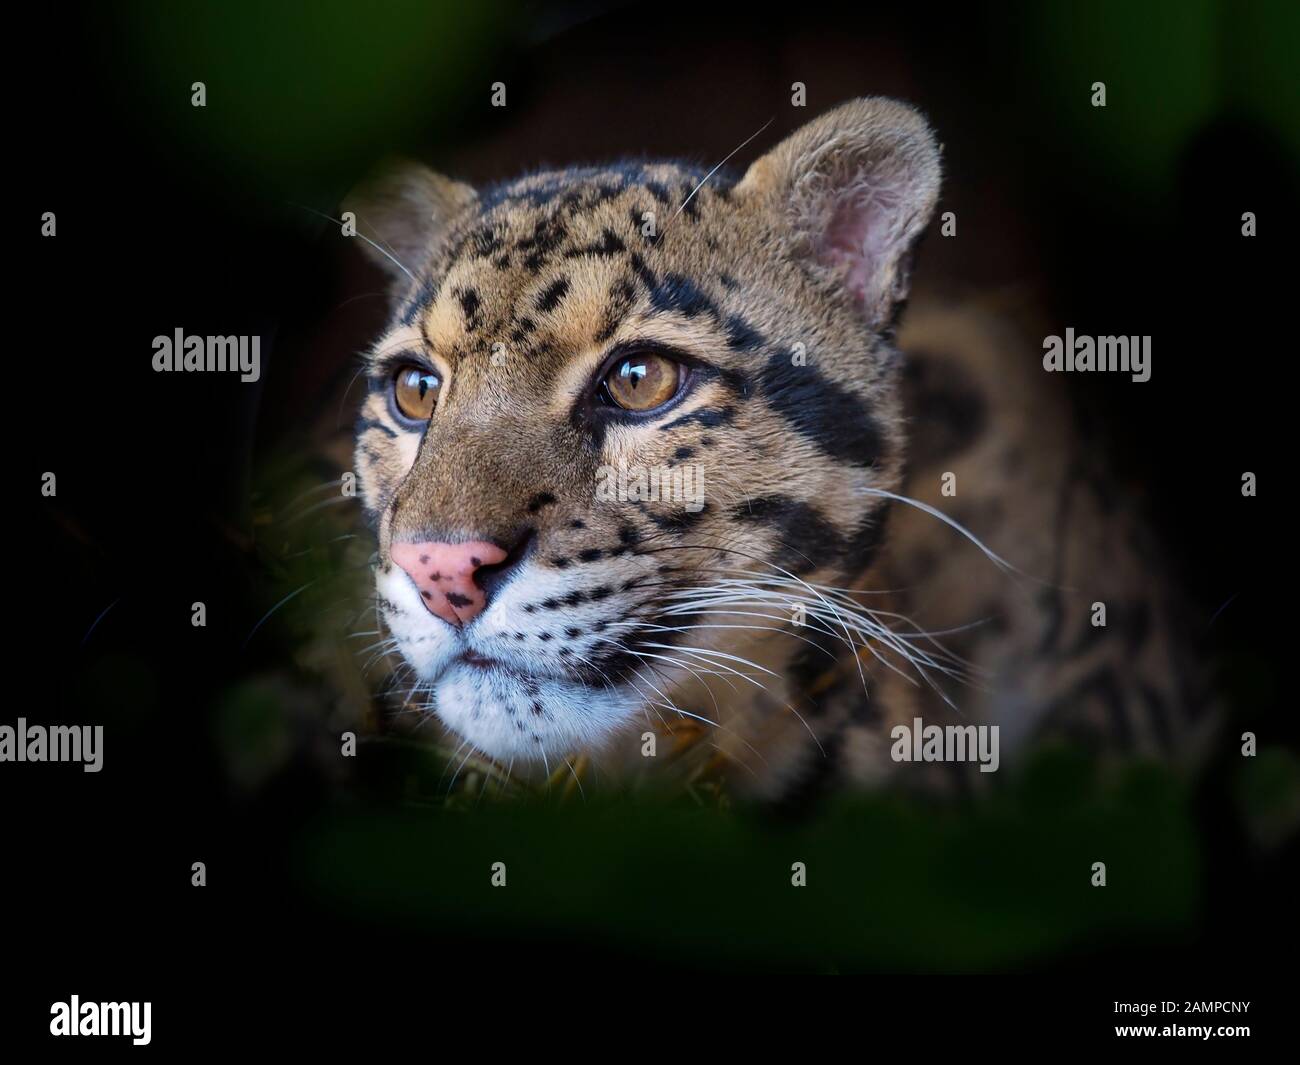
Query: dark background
x=1121, y=220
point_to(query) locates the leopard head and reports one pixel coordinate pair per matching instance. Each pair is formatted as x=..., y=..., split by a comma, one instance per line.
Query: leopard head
x=625, y=419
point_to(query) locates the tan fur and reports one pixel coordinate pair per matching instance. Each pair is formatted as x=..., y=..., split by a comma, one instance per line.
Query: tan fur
x=809, y=252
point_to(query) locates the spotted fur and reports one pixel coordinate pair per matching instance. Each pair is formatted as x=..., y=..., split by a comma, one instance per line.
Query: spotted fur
x=781, y=290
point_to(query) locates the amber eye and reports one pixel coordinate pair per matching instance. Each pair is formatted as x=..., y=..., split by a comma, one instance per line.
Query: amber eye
x=416, y=391
x=643, y=382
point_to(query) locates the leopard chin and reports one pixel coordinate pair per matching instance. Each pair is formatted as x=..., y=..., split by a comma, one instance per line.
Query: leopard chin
x=516, y=718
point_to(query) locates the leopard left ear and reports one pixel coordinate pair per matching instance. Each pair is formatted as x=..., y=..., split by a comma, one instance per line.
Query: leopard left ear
x=853, y=190
x=401, y=211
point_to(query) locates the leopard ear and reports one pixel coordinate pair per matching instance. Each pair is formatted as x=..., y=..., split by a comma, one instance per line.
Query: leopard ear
x=401, y=211
x=853, y=190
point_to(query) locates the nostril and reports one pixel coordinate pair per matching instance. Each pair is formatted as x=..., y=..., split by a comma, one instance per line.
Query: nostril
x=496, y=576
x=444, y=574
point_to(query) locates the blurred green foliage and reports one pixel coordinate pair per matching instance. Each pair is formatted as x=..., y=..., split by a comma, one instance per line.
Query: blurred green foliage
x=1170, y=67
x=1268, y=795
x=299, y=92
x=892, y=882
x=253, y=730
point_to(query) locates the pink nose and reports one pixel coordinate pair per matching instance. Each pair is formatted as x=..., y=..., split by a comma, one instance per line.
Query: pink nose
x=444, y=576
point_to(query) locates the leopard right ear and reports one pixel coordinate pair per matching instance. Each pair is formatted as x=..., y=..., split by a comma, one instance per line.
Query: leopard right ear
x=401, y=211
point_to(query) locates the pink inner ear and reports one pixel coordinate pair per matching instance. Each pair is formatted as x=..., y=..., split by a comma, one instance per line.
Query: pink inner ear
x=856, y=244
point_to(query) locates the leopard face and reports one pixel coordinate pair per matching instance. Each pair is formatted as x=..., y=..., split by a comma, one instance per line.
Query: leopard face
x=561, y=343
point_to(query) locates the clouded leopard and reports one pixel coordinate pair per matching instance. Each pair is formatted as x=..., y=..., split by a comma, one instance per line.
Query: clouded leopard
x=740, y=333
